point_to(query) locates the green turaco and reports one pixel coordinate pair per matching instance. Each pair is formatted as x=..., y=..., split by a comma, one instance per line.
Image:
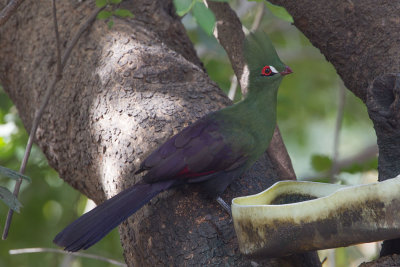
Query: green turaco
x=211, y=152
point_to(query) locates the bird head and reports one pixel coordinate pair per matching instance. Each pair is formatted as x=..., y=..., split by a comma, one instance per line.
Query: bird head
x=264, y=64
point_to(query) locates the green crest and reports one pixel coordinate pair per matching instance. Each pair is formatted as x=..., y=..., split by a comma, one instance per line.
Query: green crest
x=259, y=52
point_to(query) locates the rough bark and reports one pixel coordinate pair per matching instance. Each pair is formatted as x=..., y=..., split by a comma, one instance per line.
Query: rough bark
x=124, y=92
x=392, y=260
x=383, y=102
x=361, y=39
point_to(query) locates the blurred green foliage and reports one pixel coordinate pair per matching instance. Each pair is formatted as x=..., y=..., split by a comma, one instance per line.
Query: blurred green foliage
x=109, y=11
x=307, y=108
x=279, y=12
x=204, y=17
x=321, y=163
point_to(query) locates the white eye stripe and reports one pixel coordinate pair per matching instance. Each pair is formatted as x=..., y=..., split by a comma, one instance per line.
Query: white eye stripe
x=273, y=69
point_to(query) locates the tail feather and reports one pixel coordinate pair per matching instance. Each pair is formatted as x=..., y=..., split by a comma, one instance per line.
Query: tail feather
x=95, y=224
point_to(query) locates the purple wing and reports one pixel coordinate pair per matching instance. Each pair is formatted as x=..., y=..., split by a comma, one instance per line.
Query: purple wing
x=197, y=151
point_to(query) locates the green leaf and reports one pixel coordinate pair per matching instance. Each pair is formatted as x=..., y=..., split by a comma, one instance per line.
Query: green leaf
x=220, y=1
x=13, y=174
x=183, y=6
x=9, y=199
x=104, y=14
x=113, y=2
x=279, y=12
x=204, y=17
x=123, y=13
x=321, y=163
x=101, y=3
x=110, y=23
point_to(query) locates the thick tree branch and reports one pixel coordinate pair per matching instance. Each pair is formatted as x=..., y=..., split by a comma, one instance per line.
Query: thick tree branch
x=124, y=92
x=228, y=31
x=383, y=102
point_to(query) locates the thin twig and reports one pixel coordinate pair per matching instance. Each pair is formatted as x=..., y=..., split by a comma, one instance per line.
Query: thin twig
x=9, y=10
x=53, y=250
x=258, y=17
x=83, y=28
x=39, y=113
x=58, y=46
x=338, y=127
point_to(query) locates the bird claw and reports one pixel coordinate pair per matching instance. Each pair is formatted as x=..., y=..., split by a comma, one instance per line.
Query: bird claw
x=225, y=206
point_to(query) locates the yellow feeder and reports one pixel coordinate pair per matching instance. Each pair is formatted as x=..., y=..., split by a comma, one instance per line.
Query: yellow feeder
x=293, y=216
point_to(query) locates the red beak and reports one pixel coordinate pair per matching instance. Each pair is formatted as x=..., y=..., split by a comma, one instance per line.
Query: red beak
x=287, y=71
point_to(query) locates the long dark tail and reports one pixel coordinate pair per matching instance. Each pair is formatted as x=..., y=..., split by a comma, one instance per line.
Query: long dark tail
x=95, y=224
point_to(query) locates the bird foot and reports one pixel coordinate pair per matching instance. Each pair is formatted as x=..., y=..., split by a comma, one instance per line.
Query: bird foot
x=225, y=206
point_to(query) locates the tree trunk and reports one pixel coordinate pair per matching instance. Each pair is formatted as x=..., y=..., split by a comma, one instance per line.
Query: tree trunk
x=361, y=39
x=124, y=91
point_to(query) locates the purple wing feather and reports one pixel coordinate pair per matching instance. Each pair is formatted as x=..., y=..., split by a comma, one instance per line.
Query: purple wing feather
x=198, y=150
x=168, y=148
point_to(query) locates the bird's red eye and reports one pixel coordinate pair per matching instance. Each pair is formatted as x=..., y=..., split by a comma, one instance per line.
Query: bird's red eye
x=266, y=71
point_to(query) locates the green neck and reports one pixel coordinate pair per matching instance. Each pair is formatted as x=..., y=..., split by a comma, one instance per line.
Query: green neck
x=257, y=112
x=256, y=115
x=259, y=107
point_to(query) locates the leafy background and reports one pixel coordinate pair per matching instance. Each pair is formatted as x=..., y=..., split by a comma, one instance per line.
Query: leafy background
x=307, y=111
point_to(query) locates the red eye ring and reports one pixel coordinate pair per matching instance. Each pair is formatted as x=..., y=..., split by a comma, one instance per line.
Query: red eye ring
x=266, y=71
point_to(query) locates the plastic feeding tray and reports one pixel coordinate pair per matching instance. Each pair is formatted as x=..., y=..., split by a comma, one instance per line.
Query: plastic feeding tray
x=293, y=216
